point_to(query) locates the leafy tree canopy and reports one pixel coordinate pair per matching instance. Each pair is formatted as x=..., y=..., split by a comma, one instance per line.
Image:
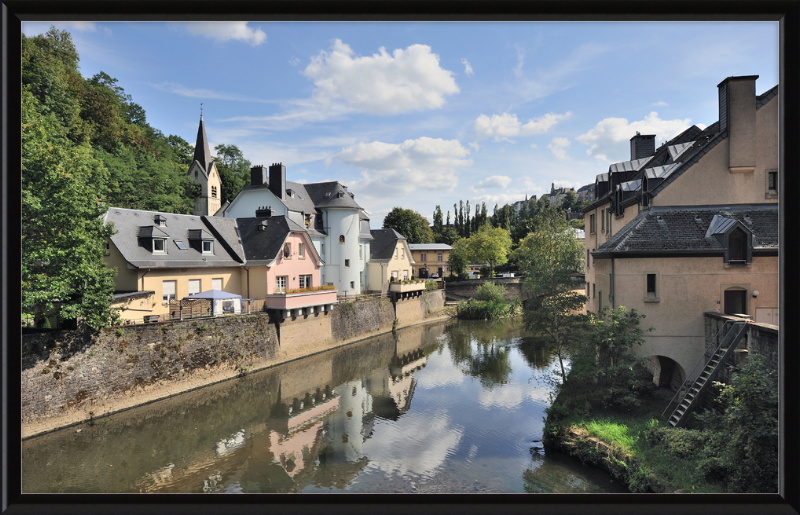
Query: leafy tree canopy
x=489, y=245
x=410, y=224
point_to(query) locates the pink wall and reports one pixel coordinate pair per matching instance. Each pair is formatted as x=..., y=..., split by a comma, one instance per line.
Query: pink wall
x=297, y=300
x=294, y=267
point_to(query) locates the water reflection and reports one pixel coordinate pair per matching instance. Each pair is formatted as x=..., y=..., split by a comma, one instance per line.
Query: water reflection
x=391, y=414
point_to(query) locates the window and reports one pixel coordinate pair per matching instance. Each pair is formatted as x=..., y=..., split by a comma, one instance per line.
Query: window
x=347, y=263
x=287, y=251
x=424, y=257
x=737, y=246
x=195, y=174
x=208, y=247
x=341, y=238
x=322, y=248
x=394, y=274
x=402, y=253
x=587, y=261
x=352, y=285
x=650, y=287
x=301, y=250
x=158, y=245
x=608, y=225
x=405, y=275
x=216, y=284
x=602, y=220
x=440, y=257
x=168, y=291
x=305, y=281
x=181, y=245
x=107, y=248
x=591, y=224
x=308, y=220
x=280, y=283
x=194, y=286
x=360, y=254
x=213, y=192
x=587, y=289
x=395, y=253
x=772, y=184
x=593, y=290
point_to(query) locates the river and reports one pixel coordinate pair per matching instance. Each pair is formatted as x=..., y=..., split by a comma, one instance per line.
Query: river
x=449, y=407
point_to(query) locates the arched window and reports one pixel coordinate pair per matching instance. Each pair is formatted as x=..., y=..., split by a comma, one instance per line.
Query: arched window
x=287, y=250
x=341, y=238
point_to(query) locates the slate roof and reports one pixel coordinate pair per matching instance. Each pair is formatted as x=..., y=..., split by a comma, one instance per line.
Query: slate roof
x=767, y=96
x=262, y=247
x=429, y=246
x=363, y=226
x=383, y=244
x=202, y=154
x=318, y=190
x=228, y=249
x=668, y=230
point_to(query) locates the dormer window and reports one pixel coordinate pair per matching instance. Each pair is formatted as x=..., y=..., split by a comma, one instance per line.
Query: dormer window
x=160, y=221
x=159, y=246
x=341, y=194
x=208, y=247
x=734, y=237
x=737, y=246
x=327, y=194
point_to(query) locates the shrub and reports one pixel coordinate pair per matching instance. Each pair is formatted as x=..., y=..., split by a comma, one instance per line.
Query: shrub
x=490, y=292
x=431, y=285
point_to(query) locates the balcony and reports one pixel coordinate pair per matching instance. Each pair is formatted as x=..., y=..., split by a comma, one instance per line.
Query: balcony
x=399, y=287
x=302, y=302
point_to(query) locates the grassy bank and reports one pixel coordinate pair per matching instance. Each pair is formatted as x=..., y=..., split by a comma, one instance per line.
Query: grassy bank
x=620, y=441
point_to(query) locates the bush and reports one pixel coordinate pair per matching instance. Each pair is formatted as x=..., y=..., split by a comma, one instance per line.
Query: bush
x=431, y=285
x=490, y=291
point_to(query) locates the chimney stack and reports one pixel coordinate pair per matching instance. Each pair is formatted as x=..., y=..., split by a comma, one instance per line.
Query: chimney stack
x=642, y=145
x=737, y=115
x=277, y=180
x=258, y=175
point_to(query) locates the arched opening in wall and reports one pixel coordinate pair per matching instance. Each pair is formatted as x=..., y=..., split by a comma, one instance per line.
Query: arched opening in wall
x=668, y=373
x=735, y=301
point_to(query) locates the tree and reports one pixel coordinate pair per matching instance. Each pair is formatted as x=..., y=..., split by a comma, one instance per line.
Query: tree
x=489, y=245
x=233, y=168
x=62, y=230
x=467, y=222
x=437, y=220
x=448, y=236
x=410, y=224
x=182, y=149
x=548, y=257
x=457, y=262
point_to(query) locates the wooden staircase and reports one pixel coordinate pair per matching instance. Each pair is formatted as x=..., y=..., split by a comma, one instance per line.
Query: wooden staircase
x=708, y=374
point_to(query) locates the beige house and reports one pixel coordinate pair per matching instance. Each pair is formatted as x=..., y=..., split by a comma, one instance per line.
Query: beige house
x=690, y=227
x=390, y=257
x=430, y=258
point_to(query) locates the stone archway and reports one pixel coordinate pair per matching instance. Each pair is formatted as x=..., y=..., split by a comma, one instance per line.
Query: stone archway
x=667, y=373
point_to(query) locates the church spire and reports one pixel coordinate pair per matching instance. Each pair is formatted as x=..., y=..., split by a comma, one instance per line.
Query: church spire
x=202, y=154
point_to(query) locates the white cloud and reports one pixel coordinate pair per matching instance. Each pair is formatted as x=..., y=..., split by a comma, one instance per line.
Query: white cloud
x=558, y=147
x=608, y=140
x=555, y=79
x=533, y=145
x=392, y=169
x=467, y=67
x=474, y=145
x=226, y=31
x=384, y=84
x=495, y=181
x=660, y=103
x=294, y=61
x=504, y=126
x=180, y=89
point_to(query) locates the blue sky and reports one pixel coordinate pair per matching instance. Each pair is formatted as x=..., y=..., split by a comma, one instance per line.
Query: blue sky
x=420, y=114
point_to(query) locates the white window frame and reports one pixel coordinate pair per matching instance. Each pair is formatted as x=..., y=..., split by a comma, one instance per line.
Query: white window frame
x=281, y=283
x=217, y=280
x=301, y=250
x=173, y=287
x=424, y=257
x=305, y=281
x=210, y=246
x=440, y=257
x=347, y=263
x=163, y=249
x=213, y=192
x=199, y=283
x=402, y=253
x=360, y=252
x=394, y=274
x=405, y=275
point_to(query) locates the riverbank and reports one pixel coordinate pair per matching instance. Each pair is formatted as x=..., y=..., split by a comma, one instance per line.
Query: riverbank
x=617, y=442
x=76, y=377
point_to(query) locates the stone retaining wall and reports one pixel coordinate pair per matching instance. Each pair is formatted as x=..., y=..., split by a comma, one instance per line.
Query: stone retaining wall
x=70, y=376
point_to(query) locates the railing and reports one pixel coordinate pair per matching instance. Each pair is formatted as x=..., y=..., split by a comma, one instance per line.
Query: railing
x=703, y=359
x=352, y=297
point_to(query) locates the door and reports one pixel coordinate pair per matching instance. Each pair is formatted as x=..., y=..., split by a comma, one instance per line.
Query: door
x=735, y=302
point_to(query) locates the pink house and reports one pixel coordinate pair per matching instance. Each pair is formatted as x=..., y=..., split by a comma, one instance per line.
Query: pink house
x=284, y=267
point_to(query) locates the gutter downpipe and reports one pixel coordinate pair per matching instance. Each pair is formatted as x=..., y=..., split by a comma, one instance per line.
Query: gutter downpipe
x=248, y=280
x=144, y=274
x=612, y=283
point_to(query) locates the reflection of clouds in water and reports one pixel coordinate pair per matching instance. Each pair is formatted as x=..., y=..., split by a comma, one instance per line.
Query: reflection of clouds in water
x=229, y=445
x=509, y=396
x=473, y=451
x=417, y=446
x=439, y=372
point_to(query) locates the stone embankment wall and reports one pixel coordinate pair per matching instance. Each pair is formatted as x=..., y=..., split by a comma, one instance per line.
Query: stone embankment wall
x=72, y=376
x=466, y=289
x=413, y=309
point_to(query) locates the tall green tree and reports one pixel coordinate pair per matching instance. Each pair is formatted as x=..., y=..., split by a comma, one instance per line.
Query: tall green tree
x=437, y=221
x=489, y=245
x=233, y=168
x=458, y=260
x=410, y=224
x=548, y=257
x=448, y=236
x=467, y=226
x=63, y=234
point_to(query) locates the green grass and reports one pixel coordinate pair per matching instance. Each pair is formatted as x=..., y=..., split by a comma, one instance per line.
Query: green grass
x=628, y=430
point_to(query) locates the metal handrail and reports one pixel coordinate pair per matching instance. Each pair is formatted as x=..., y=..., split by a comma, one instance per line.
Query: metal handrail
x=702, y=356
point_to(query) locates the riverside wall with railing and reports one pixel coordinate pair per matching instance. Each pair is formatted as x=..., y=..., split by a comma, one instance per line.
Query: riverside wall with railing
x=69, y=377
